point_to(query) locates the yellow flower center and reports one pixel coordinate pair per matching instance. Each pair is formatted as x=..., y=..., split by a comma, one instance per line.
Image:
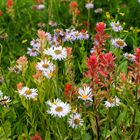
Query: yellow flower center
x=117, y=25
x=59, y=109
x=120, y=42
x=45, y=66
x=28, y=92
x=84, y=96
x=33, y=50
x=76, y=121
x=57, y=52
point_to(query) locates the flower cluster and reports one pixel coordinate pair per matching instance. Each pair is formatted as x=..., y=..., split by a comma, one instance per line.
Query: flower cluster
x=27, y=92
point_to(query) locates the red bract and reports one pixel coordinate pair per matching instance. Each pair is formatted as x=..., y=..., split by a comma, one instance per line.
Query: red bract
x=1, y=13
x=9, y=3
x=67, y=89
x=36, y=137
x=100, y=38
x=73, y=4
x=106, y=64
x=100, y=27
x=92, y=65
x=136, y=69
x=137, y=55
x=78, y=12
x=107, y=60
x=39, y=1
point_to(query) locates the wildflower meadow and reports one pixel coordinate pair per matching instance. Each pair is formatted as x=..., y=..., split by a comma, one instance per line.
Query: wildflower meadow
x=69, y=70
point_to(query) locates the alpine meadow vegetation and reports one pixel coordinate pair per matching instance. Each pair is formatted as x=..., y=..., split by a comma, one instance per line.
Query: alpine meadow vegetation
x=69, y=70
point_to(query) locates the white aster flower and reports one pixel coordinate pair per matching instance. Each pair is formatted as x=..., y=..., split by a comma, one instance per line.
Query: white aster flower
x=130, y=57
x=52, y=23
x=58, y=32
x=116, y=26
x=112, y=102
x=35, y=43
x=75, y=120
x=15, y=69
x=48, y=74
x=138, y=1
x=32, y=52
x=4, y=100
x=83, y=35
x=58, y=108
x=48, y=36
x=28, y=93
x=85, y=93
x=57, y=53
x=40, y=7
x=119, y=43
x=45, y=65
x=89, y=5
x=98, y=10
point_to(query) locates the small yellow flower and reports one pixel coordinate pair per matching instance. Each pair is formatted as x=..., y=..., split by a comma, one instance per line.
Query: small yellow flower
x=124, y=23
x=138, y=30
x=118, y=10
x=131, y=28
x=50, y=74
x=24, y=41
x=35, y=99
x=122, y=14
x=125, y=31
x=107, y=15
x=74, y=110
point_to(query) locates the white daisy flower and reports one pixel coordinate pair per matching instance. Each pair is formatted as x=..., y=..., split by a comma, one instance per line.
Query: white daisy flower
x=58, y=108
x=98, y=10
x=85, y=93
x=89, y=5
x=4, y=100
x=130, y=57
x=48, y=74
x=57, y=53
x=112, y=102
x=45, y=65
x=75, y=120
x=116, y=26
x=28, y=93
x=118, y=43
x=32, y=52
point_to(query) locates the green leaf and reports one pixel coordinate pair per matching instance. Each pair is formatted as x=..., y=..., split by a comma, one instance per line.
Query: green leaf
x=5, y=131
x=86, y=136
x=123, y=67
